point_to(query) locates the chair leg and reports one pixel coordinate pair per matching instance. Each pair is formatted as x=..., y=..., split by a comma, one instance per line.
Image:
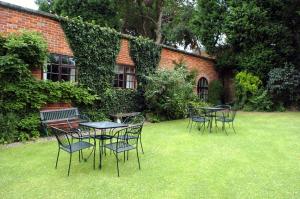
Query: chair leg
x=137, y=154
x=70, y=164
x=225, y=129
x=57, y=158
x=191, y=126
x=189, y=123
x=117, y=164
x=124, y=155
x=233, y=128
x=141, y=143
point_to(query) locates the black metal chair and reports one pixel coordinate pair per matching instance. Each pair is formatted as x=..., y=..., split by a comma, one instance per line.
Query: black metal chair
x=136, y=120
x=197, y=116
x=65, y=143
x=227, y=119
x=82, y=131
x=221, y=114
x=123, y=141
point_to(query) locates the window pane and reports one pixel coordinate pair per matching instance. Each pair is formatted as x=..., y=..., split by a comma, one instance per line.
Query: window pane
x=65, y=70
x=54, y=59
x=71, y=61
x=54, y=77
x=54, y=69
x=65, y=77
x=64, y=60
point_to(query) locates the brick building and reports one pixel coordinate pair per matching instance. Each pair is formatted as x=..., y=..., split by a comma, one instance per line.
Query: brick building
x=15, y=18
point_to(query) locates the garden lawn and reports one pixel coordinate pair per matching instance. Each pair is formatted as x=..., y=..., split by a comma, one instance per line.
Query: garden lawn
x=261, y=161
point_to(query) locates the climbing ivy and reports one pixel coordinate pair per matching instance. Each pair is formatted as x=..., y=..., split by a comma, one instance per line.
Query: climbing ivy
x=146, y=55
x=95, y=49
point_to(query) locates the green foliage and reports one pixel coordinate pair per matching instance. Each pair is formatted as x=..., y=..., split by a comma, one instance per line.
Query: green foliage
x=168, y=93
x=23, y=95
x=284, y=84
x=246, y=85
x=101, y=12
x=146, y=55
x=255, y=36
x=8, y=127
x=95, y=49
x=260, y=101
x=215, y=92
x=29, y=46
x=2, y=48
x=12, y=69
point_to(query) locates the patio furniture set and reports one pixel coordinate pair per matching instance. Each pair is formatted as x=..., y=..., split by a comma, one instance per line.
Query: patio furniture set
x=75, y=132
x=209, y=115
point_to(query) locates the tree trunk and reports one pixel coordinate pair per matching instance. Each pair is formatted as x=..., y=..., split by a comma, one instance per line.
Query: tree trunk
x=159, y=9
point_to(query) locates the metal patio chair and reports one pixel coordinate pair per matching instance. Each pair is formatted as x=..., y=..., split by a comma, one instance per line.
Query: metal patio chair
x=136, y=120
x=120, y=143
x=197, y=116
x=65, y=143
x=229, y=119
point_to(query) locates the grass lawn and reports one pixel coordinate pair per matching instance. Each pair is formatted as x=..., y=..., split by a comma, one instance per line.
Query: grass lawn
x=261, y=161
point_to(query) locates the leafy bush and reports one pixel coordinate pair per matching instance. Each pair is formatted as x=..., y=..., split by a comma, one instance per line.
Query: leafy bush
x=246, y=85
x=167, y=93
x=284, y=84
x=2, y=48
x=28, y=46
x=8, y=127
x=260, y=101
x=215, y=92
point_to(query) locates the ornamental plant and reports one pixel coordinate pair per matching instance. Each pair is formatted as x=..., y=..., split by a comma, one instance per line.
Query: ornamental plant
x=246, y=85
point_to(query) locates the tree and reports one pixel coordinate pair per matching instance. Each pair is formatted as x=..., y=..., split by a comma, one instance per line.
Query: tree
x=102, y=12
x=255, y=35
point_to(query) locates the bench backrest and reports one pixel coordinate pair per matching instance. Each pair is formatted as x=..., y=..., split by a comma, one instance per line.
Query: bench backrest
x=56, y=115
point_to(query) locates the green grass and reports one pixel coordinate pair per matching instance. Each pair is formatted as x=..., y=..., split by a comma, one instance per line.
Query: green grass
x=261, y=161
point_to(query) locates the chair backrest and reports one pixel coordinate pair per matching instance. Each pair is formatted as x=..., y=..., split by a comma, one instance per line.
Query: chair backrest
x=225, y=112
x=134, y=130
x=74, y=120
x=62, y=137
x=193, y=112
x=137, y=119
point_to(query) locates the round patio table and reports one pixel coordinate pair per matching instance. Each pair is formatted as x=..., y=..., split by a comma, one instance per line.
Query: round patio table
x=211, y=113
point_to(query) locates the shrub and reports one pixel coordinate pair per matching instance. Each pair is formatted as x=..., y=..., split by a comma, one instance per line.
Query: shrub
x=215, y=92
x=8, y=127
x=167, y=93
x=28, y=46
x=246, y=85
x=284, y=84
x=260, y=101
x=2, y=48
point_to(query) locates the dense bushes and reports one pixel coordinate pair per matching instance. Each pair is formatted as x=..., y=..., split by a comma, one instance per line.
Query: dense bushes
x=215, y=93
x=284, y=84
x=21, y=96
x=246, y=85
x=168, y=93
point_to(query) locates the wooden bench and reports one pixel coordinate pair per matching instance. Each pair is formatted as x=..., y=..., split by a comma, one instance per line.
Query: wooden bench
x=57, y=117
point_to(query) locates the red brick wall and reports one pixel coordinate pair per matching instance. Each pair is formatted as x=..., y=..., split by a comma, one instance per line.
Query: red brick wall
x=204, y=67
x=124, y=56
x=14, y=20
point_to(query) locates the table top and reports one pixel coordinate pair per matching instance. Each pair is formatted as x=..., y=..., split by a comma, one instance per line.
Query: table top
x=118, y=115
x=213, y=108
x=103, y=125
